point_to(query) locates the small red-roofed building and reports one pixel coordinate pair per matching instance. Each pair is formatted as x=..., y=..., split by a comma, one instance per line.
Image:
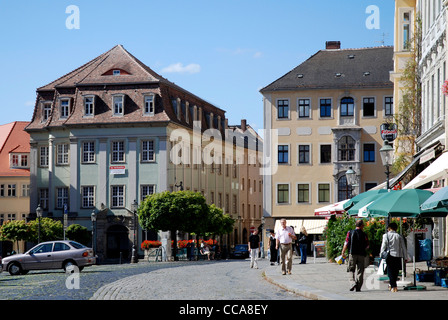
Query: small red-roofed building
x=14, y=175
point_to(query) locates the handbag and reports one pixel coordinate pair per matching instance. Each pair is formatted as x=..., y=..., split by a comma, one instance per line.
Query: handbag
x=386, y=254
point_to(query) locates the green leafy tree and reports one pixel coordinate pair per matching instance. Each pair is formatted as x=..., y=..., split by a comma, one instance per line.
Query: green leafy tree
x=78, y=233
x=49, y=230
x=15, y=230
x=171, y=211
x=335, y=234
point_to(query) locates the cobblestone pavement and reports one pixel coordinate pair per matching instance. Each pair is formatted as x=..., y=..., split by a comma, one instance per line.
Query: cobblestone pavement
x=52, y=285
x=208, y=280
x=198, y=280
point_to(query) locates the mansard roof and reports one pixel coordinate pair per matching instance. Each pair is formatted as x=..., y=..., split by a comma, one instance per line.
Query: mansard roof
x=339, y=69
x=113, y=72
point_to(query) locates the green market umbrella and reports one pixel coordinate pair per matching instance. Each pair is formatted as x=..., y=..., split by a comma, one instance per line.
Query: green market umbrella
x=353, y=201
x=404, y=203
x=437, y=200
x=360, y=208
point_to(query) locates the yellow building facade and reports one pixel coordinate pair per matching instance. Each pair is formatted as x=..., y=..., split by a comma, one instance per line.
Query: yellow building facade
x=325, y=117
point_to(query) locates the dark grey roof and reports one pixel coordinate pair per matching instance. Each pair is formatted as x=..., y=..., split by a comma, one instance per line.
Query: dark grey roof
x=340, y=68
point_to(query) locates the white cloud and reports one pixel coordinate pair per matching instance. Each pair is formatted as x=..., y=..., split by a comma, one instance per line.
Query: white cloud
x=258, y=54
x=29, y=103
x=180, y=68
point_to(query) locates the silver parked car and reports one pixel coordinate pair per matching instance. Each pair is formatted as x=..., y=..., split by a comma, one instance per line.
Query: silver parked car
x=63, y=254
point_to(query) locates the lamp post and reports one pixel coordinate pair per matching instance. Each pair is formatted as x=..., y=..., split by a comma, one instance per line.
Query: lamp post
x=351, y=179
x=263, y=220
x=387, y=154
x=134, y=207
x=39, y=216
x=93, y=218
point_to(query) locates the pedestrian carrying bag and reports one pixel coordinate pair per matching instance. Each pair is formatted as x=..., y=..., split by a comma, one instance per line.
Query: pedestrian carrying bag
x=385, y=254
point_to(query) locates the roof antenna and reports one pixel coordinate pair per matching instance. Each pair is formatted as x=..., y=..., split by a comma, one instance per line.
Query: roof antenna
x=383, y=36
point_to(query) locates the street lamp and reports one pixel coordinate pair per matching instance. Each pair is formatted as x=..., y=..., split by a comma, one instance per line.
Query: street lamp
x=93, y=218
x=350, y=174
x=134, y=207
x=387, y=154
x=39, y=216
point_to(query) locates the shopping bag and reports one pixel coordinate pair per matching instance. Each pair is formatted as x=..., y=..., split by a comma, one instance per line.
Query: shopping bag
x=340, y=259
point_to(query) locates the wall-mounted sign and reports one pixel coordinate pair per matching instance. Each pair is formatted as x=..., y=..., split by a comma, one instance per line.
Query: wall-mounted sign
x=117, y=169
x=388, y=131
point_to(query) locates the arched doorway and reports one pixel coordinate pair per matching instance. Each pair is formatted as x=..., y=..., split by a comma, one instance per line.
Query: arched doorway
x=117, y=241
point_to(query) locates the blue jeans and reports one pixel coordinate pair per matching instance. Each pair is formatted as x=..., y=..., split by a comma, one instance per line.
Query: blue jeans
x=302, y=248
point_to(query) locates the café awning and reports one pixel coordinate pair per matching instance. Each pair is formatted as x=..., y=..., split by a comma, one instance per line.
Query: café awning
x=334, y=208
x=312, y=226
x=436, y=170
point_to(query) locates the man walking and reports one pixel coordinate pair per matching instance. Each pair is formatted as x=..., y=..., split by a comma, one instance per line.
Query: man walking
x=357, y=243
x=284, y=236
x=254, y=248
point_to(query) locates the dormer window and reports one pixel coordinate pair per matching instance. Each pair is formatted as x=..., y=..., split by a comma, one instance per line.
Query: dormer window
x=89, y=106
x=46, y=110
x=64, y=108
x=18, y=161
x=118, y=104
x=116, y=72
x=149, y=105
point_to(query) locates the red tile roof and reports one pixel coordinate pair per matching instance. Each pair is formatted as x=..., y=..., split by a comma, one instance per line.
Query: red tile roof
x=96, y=78
x=13, y=139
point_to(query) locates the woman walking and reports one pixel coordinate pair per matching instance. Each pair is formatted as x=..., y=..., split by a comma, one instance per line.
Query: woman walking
x=303, y=244
x=272, y=249
x=394, y=243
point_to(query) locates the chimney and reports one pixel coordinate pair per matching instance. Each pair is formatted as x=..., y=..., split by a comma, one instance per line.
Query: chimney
x=333, y=45
x=243, y=125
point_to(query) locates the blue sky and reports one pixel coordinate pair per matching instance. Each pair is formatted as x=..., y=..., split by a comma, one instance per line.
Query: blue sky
x=223, y=51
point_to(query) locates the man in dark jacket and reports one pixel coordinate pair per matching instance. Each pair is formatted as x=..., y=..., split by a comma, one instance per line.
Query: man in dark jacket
x=357, y=244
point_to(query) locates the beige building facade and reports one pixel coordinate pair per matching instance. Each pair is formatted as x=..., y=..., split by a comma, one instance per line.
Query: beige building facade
x=325, y=117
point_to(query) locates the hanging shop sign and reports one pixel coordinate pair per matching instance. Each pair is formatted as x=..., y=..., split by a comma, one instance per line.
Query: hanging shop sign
x=388, y=131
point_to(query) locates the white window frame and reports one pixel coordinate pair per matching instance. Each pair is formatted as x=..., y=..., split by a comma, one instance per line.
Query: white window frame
x=120, y=152
x=19, y=160
x=87, y=197
x=118, y=110
x=46, y=110
x=145, y=190
x=148, y=154
x=89, y=106
x=25, y=190
x=44, y=154
x=44, y=198
x=149, y=104
x=118, y=195
x=62, y=154
x=62, y=194
x=88, y=155
x=64, y=110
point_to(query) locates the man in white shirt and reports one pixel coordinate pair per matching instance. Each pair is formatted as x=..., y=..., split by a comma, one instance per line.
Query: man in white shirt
x=285, y=235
